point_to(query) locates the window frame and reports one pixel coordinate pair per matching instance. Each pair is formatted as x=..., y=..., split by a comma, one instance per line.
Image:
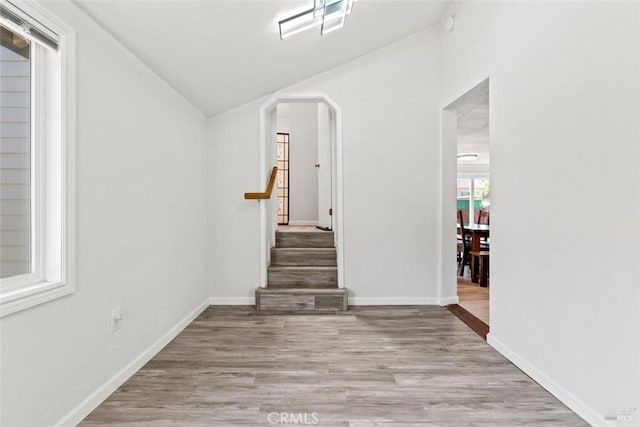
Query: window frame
x=52, y=167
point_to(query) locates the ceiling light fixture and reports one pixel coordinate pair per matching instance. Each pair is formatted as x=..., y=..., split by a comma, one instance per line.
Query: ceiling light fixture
x=467, y=157
x=329, y=15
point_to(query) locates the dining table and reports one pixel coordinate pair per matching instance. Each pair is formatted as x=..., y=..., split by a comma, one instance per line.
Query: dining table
x=478, y=231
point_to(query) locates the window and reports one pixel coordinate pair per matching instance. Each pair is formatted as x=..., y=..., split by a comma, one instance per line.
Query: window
x=282, y=141
x=15, y=130
x=37, y=152
x=473, y=195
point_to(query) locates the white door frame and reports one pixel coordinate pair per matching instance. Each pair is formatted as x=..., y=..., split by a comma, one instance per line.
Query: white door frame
x=324, y=163
x=336, y=171
x=447, y=275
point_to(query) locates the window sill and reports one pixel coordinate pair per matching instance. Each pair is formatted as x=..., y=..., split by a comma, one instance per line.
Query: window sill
x=30, y=296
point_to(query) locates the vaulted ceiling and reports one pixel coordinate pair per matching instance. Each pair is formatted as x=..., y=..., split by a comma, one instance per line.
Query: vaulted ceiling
x=222, y=53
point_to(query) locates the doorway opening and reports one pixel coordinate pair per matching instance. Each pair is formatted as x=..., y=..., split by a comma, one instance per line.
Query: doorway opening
x=311, y=177
x=303, y=159
x=466, y=150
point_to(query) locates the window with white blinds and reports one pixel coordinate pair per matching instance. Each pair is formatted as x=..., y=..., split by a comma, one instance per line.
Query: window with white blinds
x=36, y=156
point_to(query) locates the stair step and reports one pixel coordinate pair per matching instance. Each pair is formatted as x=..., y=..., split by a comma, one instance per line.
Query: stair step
x=302, y=277
x=303, y=257
x=304, y=239
x=301, y=300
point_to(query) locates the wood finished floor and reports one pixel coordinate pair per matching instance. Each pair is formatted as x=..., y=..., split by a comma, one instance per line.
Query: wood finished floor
x=294, y=228
x=370, y=366
x=473, y=298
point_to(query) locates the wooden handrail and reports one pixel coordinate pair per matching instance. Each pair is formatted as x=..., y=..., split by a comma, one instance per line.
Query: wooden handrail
x=267, y=194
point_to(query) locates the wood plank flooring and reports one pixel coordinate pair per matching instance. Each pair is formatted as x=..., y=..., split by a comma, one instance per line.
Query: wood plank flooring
x=473, y=298
x=297, y=228
x=370, y=366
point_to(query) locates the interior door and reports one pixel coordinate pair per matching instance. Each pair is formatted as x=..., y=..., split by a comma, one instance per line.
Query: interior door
x=324, y=167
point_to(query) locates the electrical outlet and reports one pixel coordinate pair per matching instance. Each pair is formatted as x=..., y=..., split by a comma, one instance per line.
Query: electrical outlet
x=116, y=319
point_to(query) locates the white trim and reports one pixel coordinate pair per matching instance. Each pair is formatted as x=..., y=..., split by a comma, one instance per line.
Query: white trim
x=30, y=296
x=449, y=300
x=447, y=275
x=232, y=301
x=338, y=222
x=41, y=163
x=394, y=301
x=589, y=414
x=77, y=414
x=262, y=280
x=303, y=222
x=69, y=206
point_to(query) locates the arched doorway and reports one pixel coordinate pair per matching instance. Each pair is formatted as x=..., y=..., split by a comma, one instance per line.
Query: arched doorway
x=268, y=208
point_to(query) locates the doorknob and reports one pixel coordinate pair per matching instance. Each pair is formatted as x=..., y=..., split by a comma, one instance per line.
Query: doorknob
x=317, y=165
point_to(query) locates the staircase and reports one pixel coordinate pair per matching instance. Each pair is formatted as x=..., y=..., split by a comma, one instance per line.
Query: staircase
x=303, y=275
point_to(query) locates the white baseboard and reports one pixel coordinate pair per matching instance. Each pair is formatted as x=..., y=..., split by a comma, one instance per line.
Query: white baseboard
x=393, y=301
x=232, y=300
x=449, y=300
x=303, y=222
x=589, y=414
x=85, y=407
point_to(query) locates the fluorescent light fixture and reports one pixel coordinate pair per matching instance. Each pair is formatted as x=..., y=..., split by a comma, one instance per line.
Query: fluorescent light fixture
x=329, y=15
x=318, y=6
x=298, y=23
x=334, y=16
x=467, y=157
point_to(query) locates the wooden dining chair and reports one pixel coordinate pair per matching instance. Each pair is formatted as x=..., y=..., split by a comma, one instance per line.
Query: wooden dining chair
x=464, y=245
x=483, y=217
x=464, y=250
x=465, y=216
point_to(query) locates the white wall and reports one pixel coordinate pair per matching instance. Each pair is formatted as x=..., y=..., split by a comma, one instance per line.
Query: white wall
x=390, y=105
x=565, y=205
x=141, y=245
x=282, y=117
x=301, y=122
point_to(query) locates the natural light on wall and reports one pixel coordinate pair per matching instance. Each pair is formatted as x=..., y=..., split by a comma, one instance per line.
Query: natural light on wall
x=329, y=15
